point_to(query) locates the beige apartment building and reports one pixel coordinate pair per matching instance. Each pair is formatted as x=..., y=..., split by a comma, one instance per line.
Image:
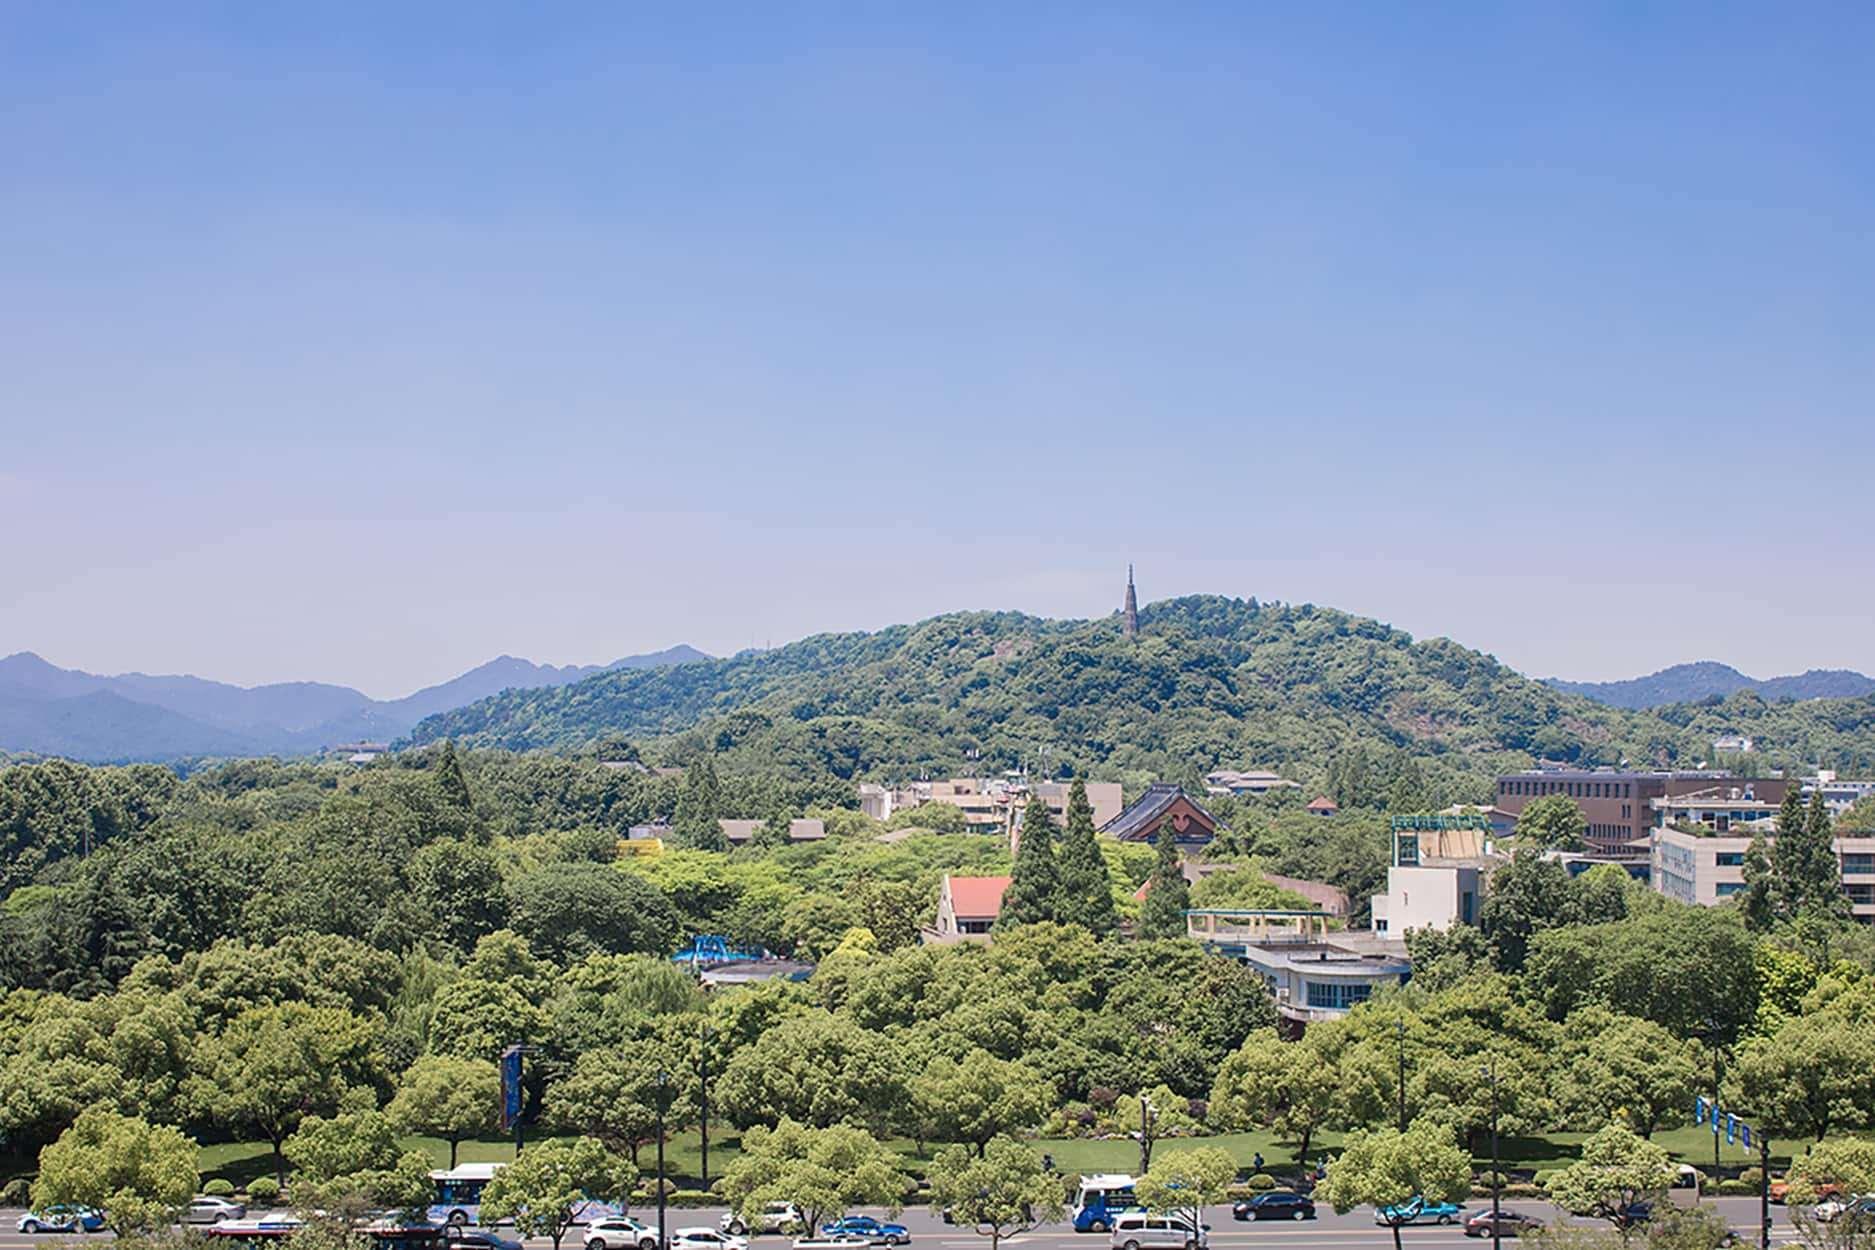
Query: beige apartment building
x=990, y=805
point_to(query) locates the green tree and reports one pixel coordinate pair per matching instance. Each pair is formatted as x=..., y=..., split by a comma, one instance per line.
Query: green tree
x=138, y=1174
x=1168, y=894
x=1817, y=1073
x=458, y=884
x=450, y=782
x=1528, y=895
x=442, y=1096
x=1034, y=892
x=1846, y=1164
x=1803, y=859
x=977, y=1098
x=1553, y=823
x=1292, y=1087
x=999, y=1192
x=1614, y=1068
x=1616, y=1171
x=1086, y=887
x=569, y=911
x=777, y=820
x=1388, y=1167
x=1186, y=1181
x=613, y=1095
x=823, y=1171
x=545, y=1188
x=1757, y=902
x=274, y=1066
x=352, y=1163
x=815, y=1068
x=696, y=824
x=1860, y=818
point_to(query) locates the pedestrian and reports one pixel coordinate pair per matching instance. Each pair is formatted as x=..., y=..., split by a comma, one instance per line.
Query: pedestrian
x=1257, y=1163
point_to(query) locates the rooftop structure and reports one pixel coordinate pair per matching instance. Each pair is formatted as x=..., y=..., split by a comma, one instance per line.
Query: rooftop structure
x=1230, y=781
x=742, y=832
x=1163, y=802
x=1322, y=805
x=967, y=908
x=989, y=805
x=1313, y=972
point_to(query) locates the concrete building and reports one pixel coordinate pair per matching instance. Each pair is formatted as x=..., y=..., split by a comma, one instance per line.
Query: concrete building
x=1709, y=868
x=742, y=832
x=967, y=909
x=1441, y=867
x=1721, y=809
x=1313, y=973
x=1839, y=793
x=1616, y=803
x=989, y=805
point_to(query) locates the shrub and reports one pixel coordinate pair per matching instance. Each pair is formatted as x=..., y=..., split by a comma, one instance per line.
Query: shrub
x=17, y=1192
x=1734, y=1189
x=1521, y=1189
x=1753, y=1177
x=263, y=1189
x=693, y=1198
x=219, y=1187
x=1262, y=1181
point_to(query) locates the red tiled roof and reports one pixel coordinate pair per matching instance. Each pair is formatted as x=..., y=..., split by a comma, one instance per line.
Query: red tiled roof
x=1323, y=804
x=977, y=898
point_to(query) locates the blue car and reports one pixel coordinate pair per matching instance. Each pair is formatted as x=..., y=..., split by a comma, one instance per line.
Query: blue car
x=1419, y=1211
x=879, y=1234
x=62, y=1219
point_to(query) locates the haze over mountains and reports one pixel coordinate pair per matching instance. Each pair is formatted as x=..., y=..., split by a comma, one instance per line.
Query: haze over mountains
x=49, y=710
x=1690, y=683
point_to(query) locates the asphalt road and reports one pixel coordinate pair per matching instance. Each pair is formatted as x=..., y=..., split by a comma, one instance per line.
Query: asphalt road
x=1354, y=1231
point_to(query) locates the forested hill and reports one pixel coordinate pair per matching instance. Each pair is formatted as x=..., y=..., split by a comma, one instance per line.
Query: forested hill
x=1209, y=681
x=1708, y=679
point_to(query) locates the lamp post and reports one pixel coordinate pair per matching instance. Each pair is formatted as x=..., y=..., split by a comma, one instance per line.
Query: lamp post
x=1148, y=1115
x=1489, y=1072
x=664, y=1106
x=1399, y=1029
x=703, y=1083
x=1714, y=1035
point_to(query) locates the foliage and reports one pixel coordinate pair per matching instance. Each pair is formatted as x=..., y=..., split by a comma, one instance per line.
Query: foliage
x=997, y=1192
x=1387, y=1167
x=977, y=1098
x=543, y=1189
x=1168, y=895
x=1186, y=1181
x=1616, y=1171
x=139, y=1175
x=1292, y=1087
x=823, y=1171
x=352, y=1161
x=1034, y=892
x=454, y=1099
x=1620, y=1068
x=1086, y=885
x=1553, y=822
x=1845, y=1163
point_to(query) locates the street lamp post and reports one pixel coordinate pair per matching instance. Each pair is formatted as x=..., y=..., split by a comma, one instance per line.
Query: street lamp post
x=1399, y=1029
x=1716, y=1036
x=1489, y=1072
x=1148, y=1114
x=663, y=1104
x=703, y=1082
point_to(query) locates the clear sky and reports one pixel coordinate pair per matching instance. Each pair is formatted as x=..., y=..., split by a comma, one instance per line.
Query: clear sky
x=362, y=342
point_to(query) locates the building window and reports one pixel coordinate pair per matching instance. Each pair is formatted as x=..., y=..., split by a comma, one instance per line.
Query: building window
x=1337, y=996
x=1858, y=863
x=1729, y=859
x=1728, y=888
x=974, y=926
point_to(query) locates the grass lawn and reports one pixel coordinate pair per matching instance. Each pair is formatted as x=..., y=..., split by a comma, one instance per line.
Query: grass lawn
x=240, y=1162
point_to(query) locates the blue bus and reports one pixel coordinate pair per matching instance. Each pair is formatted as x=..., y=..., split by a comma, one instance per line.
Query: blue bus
x=1100, y=1198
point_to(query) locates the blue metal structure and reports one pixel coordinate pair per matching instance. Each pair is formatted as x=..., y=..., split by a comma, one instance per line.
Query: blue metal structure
x=708, y=949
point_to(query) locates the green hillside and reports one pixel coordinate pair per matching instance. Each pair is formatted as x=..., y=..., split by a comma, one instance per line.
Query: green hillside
x=1209, y=681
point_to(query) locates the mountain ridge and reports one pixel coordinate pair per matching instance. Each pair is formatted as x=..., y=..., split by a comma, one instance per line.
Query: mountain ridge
x=49, y=710
x=1706, y=679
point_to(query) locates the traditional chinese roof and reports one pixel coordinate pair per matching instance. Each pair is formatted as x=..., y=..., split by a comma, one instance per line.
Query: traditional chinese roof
x=977, y=898
x=1323, y=804
x=1149, y=807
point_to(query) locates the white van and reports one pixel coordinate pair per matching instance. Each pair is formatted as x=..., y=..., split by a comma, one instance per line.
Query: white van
x=1150, y=1230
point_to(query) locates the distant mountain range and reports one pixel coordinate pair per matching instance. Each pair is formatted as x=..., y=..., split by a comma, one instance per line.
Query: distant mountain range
x=1689, y=683
x=49, y=710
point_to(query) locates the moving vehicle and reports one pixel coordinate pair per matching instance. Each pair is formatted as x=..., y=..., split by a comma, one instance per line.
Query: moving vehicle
x=775, y=1217
x=1148, y=1230
x=706, y=1239
x=478, y=1239
x=1857, y=1213
x=62, y=1219
x=1101, y=1198
x=266, y=1231
x=458, y=1197
x=619, y=1232
x=834, y=1241
x=1417, y=1210
x=211, y=1210
x=1509, y=1224
x=1277, y=1204
x=874, y=1231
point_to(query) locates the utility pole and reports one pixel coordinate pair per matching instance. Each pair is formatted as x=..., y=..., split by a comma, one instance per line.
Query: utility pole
x=664, y=1106
x=703, y=1081
x=1764, y=1192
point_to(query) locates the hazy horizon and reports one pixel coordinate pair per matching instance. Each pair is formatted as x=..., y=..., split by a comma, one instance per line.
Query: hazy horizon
x=364, y=345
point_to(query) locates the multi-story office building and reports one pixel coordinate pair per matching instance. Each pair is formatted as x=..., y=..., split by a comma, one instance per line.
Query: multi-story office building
x=1709, y=868
x=1617, y=803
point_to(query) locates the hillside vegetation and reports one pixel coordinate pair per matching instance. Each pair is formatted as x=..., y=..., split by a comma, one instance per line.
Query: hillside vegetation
x=1210, y=681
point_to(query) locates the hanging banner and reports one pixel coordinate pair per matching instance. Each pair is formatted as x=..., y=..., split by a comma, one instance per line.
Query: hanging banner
x=510, y=1086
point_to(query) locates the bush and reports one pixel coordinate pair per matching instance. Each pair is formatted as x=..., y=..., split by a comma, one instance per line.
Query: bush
x=1753, y=1177
x=692, y=1198
x=219, y=1187
x=263, y=1189
x=1521, y=1189
x=1261, y=1181
x=17, y=1192
x=1735, y=1189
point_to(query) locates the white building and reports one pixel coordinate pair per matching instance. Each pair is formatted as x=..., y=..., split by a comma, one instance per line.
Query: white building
x=1839, y=793
x=1314, y=973
x=1256, y=781
x=1431, y=896
x=1708, y=869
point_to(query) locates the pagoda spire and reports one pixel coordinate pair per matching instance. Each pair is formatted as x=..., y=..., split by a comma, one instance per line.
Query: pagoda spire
x=1130, y=616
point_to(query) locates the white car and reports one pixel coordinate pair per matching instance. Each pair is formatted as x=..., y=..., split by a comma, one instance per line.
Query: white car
x=831, y=1241
x=706, y=1239
x=620, y=1232
x=212, y=1210
x=775, y=1217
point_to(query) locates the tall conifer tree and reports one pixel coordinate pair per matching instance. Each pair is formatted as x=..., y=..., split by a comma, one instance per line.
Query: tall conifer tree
x=1034, y=892
x=1168, y=894
x=695, y=825
x=1086, y=888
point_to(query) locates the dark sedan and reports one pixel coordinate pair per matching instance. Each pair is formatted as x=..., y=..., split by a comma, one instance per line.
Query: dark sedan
x=1278, y=1204
x=1509, y=1224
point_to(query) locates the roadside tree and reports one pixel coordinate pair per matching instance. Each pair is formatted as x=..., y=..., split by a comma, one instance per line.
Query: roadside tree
x=1389, y=1167
x=1617, y=1172
x=138, y=1174
x=1000, y=1192
x=454, y=1099
x=1185, y=1182
x=544, y=1189
x=823, y=1171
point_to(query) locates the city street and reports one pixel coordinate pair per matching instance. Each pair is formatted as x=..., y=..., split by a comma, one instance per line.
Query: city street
x=1354, y=1231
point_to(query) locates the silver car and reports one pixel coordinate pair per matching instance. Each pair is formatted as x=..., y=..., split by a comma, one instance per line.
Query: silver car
x=211, y=1210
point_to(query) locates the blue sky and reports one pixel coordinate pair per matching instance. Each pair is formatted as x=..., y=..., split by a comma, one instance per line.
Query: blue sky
x=364, y=342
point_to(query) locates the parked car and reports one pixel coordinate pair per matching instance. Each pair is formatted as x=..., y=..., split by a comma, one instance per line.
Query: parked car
x=1857, y=1212
x=775, y=1217
x=877, y=1232
x=831, y=1241
x=212, y=1210
x=62, y=1219
x=1143, y=1230
x=706, y=1239
x=1509, y=1224
x=1418, y=1211
x=1277, y=1204
x=620, y=1232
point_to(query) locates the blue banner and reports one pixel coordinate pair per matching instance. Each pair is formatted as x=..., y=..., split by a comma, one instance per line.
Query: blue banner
x=510, y=1086
x=1699, y=1110
x=1731, y=1129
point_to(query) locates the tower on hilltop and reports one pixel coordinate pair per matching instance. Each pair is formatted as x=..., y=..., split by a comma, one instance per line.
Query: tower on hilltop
x=1130, y=614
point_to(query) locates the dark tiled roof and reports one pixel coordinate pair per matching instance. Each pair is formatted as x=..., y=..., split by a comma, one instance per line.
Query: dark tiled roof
x=1148, y=807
